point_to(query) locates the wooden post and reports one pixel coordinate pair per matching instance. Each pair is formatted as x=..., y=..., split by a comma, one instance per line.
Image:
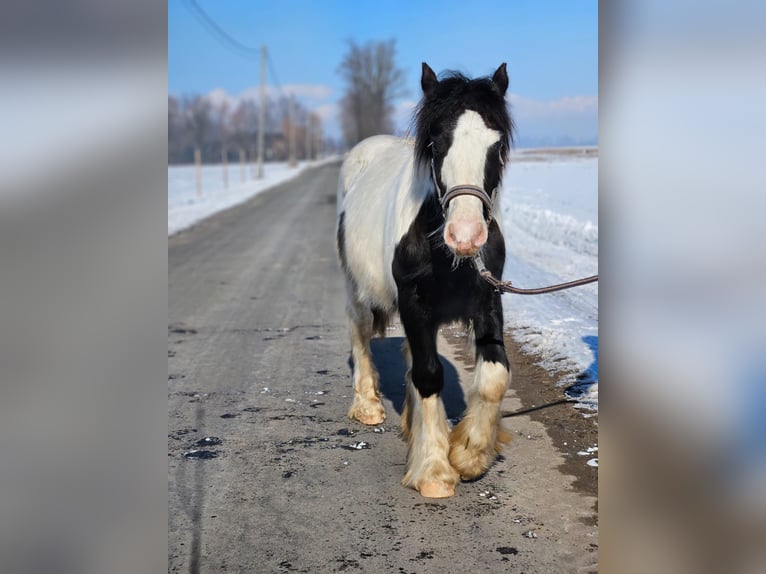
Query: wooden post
x=198, y=169
x=241, y=165
x=225, y=161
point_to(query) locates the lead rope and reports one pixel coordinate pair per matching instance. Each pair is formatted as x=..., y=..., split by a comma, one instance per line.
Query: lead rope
x=506, y=287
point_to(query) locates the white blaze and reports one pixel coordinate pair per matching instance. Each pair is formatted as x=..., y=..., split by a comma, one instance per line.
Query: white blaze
x=465, y=230
x=464, y=162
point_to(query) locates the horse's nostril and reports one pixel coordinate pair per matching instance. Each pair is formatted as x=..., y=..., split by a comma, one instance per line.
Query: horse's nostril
x=450, y=235
x=481, y=238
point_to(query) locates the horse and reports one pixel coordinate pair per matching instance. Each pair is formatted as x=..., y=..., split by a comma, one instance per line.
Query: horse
x=413, y=217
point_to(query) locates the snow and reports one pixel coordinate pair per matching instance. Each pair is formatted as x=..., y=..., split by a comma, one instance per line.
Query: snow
x=185, y=208
x=549, y=211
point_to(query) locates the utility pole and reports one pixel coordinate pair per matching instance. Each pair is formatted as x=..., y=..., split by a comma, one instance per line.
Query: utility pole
x=307, y=144
x=261, y=111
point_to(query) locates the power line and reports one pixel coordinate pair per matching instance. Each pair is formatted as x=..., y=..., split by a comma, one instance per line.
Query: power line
x=228, y=41
x=219, y=33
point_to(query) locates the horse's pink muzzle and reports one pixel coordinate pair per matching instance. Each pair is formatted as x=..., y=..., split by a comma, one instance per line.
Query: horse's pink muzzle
x=465, y=235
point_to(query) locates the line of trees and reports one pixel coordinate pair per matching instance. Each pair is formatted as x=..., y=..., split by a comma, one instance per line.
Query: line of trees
x=219, y=130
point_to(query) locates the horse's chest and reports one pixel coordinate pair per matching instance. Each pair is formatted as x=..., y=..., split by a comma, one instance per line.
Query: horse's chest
x=428, y=277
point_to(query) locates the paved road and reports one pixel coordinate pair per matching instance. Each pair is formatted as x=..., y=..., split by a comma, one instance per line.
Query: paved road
x=258, y=357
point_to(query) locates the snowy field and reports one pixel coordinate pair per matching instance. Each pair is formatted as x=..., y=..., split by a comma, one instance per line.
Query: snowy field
x=185, y=208
x=550, y=219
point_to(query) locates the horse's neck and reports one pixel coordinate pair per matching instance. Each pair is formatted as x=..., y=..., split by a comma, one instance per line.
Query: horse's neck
x=415, y=189
x=422, y=184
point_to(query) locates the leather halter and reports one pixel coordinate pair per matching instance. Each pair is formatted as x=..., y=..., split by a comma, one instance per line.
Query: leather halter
x=473, y=190
x=463, y=189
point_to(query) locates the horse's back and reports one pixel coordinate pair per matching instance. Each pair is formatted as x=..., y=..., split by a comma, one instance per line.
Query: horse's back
x=370, y=164
x=376, y=178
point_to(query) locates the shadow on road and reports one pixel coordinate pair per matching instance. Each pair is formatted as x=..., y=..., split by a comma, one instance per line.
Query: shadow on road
x=589, y=377
x=387, y=354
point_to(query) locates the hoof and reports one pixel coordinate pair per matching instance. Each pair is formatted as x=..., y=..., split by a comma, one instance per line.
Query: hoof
x=469, y=458
x=368, y=413
x=472, y=460
x=470, y=465
x=436, y=489
x=371, y=419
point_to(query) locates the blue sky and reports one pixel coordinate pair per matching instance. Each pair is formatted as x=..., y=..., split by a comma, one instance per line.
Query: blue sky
x=551, y=49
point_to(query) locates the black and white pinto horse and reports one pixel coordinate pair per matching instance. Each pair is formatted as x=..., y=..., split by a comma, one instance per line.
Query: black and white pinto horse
x=413, y=216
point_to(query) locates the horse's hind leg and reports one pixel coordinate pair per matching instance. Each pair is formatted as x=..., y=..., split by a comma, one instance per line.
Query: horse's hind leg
x=479, y=436
x=366, y=408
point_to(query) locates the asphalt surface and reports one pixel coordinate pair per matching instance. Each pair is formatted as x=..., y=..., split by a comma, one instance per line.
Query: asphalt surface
x=258, y=359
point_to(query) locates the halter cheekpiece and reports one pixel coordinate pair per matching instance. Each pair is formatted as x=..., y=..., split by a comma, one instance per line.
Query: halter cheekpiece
x=488, y=199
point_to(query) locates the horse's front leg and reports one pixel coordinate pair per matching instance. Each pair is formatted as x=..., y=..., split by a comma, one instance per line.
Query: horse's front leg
x=425, y=421
x=479, y=436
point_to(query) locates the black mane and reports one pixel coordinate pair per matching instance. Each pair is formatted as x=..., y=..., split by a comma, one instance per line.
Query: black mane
x=455, y=93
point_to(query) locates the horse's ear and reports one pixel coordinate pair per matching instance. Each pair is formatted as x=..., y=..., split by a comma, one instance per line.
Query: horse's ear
x=428, y=80
x=500, y=79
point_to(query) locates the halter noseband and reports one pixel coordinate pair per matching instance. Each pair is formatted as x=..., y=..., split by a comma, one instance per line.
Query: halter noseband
x=463, y=189
x=473, y=190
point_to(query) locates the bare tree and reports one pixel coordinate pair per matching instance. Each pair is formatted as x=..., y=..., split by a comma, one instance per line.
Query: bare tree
x=198, y=119
x=176, y=130
x=373, y=82
x=222, y=118
x=223, y=123
x=240, y=124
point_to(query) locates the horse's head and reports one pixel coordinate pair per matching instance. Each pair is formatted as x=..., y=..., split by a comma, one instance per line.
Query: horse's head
x=463, y=134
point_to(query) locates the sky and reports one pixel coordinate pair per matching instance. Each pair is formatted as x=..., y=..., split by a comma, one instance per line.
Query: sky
x=551, y=49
